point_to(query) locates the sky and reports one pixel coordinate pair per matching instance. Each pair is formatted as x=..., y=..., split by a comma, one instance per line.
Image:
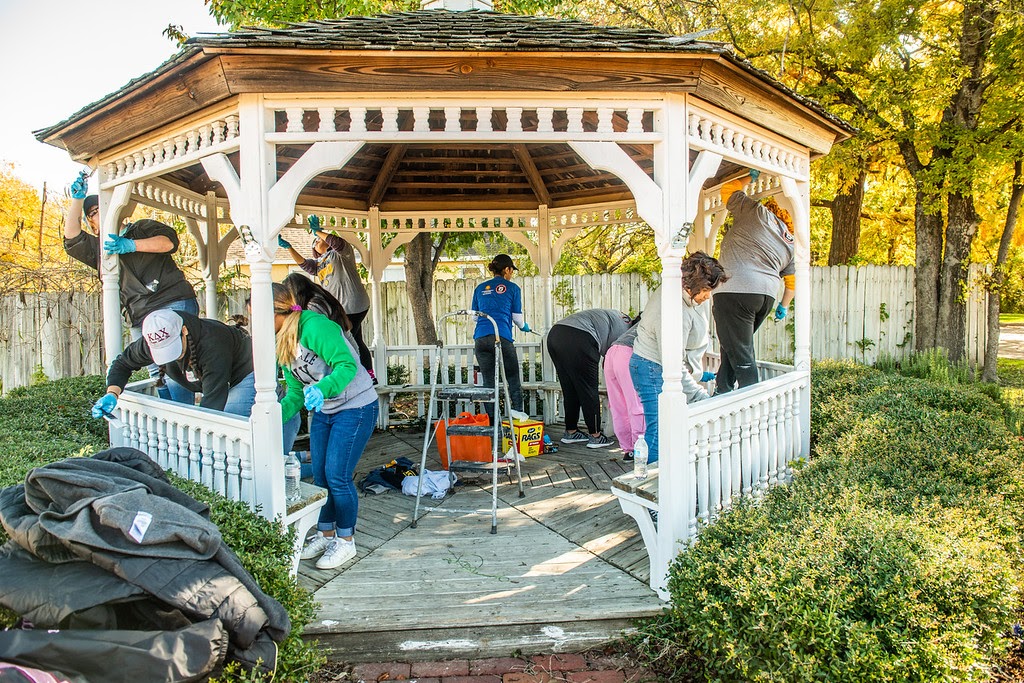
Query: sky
x=57, y=56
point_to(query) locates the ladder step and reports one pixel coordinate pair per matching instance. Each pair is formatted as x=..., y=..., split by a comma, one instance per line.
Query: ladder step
x=469, y=430
x=503, y=465
x=481, y=394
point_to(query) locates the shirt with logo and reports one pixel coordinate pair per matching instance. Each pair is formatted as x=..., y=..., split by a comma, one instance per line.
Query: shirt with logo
x=500, y=299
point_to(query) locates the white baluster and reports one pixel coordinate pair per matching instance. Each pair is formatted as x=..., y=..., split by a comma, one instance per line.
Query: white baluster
x=205, y=131
x=421, y=119
x=168, y=150
x=716, y=133
x=135, y=440
x=161, y=444
x=693, y=125
x=635, y=120
x=218, y=131
x=604, y=120
x=763, y=447
x=247, y=485
x=715, y=466
x=204, y=439
x=326, y=119
x=745, y=451
x=358, y=120
x=792, y=420
x=732, y=483
x=746, y=141
x=293, y=116
x=174, y=450
x=138, y=160
x=147, y=157
x=219, y=470
x=452, y=119
x=515, y=119
x=727, y=137
x=194, y=454
x=231, y=120
x=179, y=146
x=544, y=120
x=703, y=475
x=756, y=149
x=152, y=440
x=483, y=119
x=772, y=468
x=777, y=475
x=233, y=471
x=575, y=119
x=192, y=139
x=390, y=116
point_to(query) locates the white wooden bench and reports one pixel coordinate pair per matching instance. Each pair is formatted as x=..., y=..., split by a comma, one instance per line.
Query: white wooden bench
x=303, y=514
x=638, y=499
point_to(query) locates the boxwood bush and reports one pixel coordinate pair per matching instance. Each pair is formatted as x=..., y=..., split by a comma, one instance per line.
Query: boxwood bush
x=51, y=421
x=889, y=558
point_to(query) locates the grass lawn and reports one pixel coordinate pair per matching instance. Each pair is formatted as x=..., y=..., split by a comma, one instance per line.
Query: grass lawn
x=1011, y=318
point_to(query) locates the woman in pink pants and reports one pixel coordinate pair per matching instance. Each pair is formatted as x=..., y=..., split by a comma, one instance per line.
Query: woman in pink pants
x=627, y=411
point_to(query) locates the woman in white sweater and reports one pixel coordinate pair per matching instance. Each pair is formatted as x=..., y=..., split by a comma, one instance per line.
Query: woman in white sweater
x=701, y=274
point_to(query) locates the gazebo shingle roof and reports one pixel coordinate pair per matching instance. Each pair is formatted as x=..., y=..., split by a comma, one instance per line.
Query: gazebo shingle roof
x=472, y=30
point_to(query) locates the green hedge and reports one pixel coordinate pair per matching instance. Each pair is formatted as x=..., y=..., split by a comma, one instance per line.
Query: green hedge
x=889, y=558
x=52, y=421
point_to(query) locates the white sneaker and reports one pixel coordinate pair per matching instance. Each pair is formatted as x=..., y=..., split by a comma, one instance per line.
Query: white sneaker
x=315, y=546
x=338, y=553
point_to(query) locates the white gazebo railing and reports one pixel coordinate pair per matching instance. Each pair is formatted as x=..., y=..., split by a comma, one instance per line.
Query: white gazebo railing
x=738, y=445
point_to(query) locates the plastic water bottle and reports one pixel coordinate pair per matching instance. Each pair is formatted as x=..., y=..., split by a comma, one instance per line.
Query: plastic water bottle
x=640, y=458
x=292, y=473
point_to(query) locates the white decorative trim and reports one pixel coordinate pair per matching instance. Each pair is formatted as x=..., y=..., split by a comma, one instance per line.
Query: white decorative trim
x=744, y=144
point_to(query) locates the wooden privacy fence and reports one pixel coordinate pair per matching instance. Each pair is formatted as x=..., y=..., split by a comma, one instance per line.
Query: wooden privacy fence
x=859, y=313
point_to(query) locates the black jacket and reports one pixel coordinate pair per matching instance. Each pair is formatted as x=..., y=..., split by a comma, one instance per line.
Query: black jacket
x=148, y=282
x=80, y=558
x=222, y=352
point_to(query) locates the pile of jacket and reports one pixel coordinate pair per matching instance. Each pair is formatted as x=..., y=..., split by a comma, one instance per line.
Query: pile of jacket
x=119, y=576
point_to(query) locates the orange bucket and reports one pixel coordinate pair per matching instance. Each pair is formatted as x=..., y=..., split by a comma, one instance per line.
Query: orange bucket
x=472, y=448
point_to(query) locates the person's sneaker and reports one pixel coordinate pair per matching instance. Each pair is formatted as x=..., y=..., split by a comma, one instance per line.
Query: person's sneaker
x=315, y=547
x=599, y=441
x=338, y=553
x=575, y=437
x=627, y=456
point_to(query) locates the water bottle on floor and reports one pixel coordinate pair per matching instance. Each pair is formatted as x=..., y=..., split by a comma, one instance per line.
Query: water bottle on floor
x=640, y=458
x=292, y=474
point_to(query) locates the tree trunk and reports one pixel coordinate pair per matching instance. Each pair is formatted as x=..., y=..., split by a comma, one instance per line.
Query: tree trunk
x=999, y=275
x=419, y=285
x=846, y=209
x=961, y=226
x=928, y=253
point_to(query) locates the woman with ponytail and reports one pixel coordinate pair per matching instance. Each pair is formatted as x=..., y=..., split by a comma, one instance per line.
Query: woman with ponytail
x=323, y=373
x=701, y=275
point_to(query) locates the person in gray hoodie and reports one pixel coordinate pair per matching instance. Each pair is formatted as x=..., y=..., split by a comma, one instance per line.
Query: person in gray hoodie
x=701, y=275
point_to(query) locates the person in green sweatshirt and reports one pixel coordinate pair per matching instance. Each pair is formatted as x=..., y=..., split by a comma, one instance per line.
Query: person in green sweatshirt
x=322, y=372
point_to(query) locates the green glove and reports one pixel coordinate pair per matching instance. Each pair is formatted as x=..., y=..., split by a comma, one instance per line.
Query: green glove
x=314, y=224
x=283, y=243
x=80, y=188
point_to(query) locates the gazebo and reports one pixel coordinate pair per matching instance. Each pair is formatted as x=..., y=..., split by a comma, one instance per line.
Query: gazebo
x=461, y=121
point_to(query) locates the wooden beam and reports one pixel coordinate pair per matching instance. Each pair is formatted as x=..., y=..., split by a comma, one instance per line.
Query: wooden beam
x=522, y=155
x=385, y=174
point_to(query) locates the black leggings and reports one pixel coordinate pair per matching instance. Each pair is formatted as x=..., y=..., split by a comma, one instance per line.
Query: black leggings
x=576, y=357
x=365, y=359
x=737, y=318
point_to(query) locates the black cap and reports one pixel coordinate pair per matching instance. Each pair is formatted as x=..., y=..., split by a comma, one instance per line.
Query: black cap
x=503, y=261
x=90, y=203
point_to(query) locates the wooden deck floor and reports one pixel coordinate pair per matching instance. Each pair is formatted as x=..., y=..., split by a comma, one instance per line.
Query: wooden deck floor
x=566, y=570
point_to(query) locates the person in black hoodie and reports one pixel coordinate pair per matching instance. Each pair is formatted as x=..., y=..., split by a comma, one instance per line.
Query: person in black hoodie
x=149, y=278
x=200, y=354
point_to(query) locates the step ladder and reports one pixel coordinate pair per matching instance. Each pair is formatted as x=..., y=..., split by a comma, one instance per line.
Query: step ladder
x=442, y=396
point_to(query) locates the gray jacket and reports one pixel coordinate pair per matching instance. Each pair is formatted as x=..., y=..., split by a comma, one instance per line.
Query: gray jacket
x=110, y=529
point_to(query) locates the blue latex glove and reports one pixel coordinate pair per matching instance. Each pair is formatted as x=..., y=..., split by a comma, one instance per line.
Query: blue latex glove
x=314, y=398
x=118, y=245
x=780, y=312
x=314, y=224
x=80, y=188
x=526, y=327
x=103, y=406
x=707, y=376
x=754, y=173
x=283, y=243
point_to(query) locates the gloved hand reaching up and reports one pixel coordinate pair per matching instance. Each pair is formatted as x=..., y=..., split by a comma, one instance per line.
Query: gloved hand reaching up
x=780, y=313
x=314, y=398
x=118, y=245
x=283, y=243
x=314, y=224
x=104, y=406
x=80, y=188
x=754, y=173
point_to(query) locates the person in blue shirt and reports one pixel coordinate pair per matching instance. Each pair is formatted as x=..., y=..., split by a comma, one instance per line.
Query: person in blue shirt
x=501, y=299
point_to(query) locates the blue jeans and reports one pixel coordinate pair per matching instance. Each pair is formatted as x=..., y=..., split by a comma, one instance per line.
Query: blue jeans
x=647, y=380
x=242, y=396
x=290, y=430
x=171, y=391
x=336, y=443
